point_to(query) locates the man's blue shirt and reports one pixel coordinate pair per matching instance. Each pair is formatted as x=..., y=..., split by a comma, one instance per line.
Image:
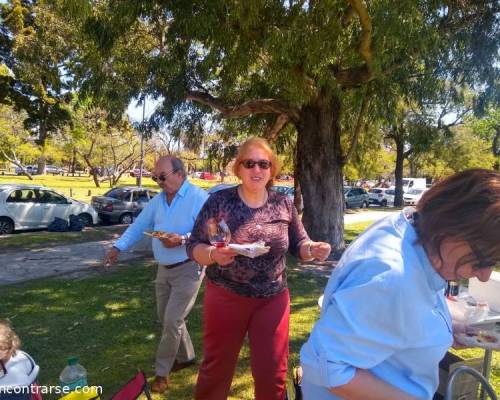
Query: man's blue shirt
x=383, y=311
x=158, y=215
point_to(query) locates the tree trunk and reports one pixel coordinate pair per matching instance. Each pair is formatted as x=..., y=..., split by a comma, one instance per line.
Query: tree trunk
x=297, y=198
x=496, y=149
x=319, y=170
x=398, y=172
x=42, y=141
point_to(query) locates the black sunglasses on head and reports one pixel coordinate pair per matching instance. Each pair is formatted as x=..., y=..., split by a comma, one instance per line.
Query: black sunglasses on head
x=249, y=164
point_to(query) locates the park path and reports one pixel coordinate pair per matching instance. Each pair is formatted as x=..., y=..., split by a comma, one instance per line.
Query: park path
x=86, y=258
x=21, y=266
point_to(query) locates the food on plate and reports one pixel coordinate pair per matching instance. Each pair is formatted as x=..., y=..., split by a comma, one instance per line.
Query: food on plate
x=486, y=338
x=157, y=234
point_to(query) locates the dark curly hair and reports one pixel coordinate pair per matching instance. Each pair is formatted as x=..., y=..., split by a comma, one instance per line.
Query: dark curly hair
x=463, y=206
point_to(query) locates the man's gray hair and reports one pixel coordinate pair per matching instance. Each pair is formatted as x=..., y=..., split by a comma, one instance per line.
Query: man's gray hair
x=178, y=166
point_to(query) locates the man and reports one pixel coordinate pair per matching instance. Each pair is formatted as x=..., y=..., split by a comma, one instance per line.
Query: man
x=173, y=212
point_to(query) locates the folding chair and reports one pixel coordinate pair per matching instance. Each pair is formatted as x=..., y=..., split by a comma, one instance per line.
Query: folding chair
x=133, y=388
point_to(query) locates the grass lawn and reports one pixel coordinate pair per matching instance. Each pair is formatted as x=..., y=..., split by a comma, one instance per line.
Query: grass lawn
x=41, y=239
x=109, y=322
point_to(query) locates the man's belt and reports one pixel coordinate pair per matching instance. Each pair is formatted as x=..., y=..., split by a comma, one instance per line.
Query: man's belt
x=170, y=266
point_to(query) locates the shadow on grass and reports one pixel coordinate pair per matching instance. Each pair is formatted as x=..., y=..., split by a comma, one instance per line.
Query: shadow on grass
x=109, y=322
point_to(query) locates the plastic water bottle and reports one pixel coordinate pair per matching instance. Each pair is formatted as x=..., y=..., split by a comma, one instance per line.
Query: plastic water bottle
x=73, y=375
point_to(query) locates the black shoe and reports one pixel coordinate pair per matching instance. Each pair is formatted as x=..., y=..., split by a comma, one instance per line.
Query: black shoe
x=181, y=365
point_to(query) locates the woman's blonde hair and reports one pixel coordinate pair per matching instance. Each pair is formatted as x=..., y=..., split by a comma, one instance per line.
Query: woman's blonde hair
x=9, y=341
x=262, y=144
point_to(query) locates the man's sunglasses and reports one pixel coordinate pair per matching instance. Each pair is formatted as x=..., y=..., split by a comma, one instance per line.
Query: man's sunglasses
x=162, y=177
x=249, y=164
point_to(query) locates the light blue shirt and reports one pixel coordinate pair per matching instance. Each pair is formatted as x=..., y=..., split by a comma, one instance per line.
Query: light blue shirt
x=384, y=311
x=158, y=215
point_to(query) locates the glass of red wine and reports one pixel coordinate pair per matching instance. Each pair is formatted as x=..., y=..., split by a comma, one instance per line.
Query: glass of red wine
x=219, y=234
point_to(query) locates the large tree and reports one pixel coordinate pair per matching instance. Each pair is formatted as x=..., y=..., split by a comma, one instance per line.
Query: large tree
x=315, y=65
x=35, y=50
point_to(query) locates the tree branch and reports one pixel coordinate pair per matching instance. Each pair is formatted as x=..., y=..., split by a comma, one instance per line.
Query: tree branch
x=278, y=126
x=259, y=106
x=365, y=47
x=359, y=125
x=352, y=77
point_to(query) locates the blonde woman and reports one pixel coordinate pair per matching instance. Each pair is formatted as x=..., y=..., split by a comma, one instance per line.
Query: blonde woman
x=18, y=371
x=249, y=296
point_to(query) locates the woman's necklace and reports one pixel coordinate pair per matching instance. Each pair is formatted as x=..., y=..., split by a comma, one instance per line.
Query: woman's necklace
x=252, y=203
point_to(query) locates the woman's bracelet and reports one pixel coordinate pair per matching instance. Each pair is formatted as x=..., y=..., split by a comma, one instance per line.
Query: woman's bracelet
x=309, y=250
x=211, y=249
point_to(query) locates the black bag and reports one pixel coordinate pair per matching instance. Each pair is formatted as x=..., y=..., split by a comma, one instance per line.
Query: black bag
x=75, y=223
x=58, y=225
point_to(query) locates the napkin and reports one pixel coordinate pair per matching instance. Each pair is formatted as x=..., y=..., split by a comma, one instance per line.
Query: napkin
x=251, y=250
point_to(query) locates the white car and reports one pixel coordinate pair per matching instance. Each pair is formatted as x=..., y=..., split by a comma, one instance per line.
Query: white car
x=33, y=207
x=412, y=197
x=31, y=169
x=382, y=196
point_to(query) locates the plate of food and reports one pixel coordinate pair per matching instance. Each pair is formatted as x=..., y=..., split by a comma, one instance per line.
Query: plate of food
x=480, y=338
x=156, y=234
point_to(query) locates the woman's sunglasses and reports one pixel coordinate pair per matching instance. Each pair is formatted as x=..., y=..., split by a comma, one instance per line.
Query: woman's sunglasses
x=249, y=164
x=162, y=177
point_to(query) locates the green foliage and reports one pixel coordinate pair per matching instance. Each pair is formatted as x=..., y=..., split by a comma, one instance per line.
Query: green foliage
x=16, y=143
x=37, y=49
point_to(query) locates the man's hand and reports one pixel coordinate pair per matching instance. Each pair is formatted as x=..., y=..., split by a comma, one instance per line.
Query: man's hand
x=111, y=257
x=223, y=255
x=320, y=250
x=170, y=240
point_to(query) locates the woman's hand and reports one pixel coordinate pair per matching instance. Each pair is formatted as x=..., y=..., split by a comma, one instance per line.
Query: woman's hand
x=320, y=250
x=222, y=255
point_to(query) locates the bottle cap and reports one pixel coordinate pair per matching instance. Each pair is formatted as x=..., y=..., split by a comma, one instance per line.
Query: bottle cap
x=72, y=360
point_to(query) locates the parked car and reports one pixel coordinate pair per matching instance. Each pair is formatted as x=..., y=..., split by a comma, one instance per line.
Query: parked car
x=220, y=186
x=412, y=197
x=382, y=196
x=52, y=169
x=207, y=176
x=290, y=192
x=134, y=173
x=33, y=207
x=122, y=204
x=31, y=169
x=356, y=197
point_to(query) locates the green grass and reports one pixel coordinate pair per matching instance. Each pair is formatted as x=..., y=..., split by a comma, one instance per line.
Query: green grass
x=42, y=239
x=109, y=322
x=351, y=231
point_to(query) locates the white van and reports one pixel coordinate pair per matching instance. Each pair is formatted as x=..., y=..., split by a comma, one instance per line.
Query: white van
x=414, y=183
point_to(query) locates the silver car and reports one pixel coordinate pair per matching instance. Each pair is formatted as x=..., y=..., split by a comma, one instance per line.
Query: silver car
x=33, y=207
x=356, y=197
x=122, y=204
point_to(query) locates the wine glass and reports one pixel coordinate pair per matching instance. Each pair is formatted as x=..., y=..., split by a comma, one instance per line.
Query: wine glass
x=219, y=234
